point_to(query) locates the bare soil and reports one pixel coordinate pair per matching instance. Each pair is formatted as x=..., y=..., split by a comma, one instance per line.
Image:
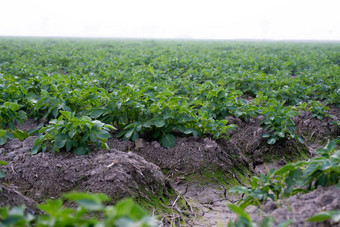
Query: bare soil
x=300, y=207
x=137, y=169
x=48, y=175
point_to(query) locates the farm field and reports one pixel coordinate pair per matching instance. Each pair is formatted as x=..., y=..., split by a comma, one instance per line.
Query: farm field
x=183, y=127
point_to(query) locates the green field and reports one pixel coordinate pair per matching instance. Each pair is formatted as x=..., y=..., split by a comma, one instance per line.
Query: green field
x=161, y=87
x=84, y=92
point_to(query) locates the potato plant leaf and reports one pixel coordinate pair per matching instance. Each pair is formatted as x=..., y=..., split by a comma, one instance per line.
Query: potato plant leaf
x=168, y=140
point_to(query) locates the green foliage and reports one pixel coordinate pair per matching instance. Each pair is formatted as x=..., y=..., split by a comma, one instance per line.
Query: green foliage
x=72, y=133
x=12, y=134
x=10, y=113
x=278, y=121
x=2, y=163
x=333, y=215
x=2, y=174
x=162, y=88
x=89, y=207
x=293, y=178
x=317, y=109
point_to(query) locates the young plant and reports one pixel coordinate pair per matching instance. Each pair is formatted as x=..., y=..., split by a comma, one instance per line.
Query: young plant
x=316, y=108
x=69, y=132
x=12, y=134
x=89, y=208
x=303, y=176
x=278, y=121
x=10, y=113
x=49, y=106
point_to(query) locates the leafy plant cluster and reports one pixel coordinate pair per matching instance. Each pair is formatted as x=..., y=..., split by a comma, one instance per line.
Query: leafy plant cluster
x=165, y=88
x=70, y=132
x=89, y=208
x=302, y=176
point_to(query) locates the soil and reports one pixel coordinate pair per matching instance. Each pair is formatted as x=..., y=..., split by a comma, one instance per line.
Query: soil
x=316, y=132
x=144, y=168
x=300, y=207
x=10, y=196
x=48, y=175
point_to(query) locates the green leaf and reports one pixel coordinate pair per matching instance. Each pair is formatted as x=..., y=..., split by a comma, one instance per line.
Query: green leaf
x=127, y=208
x=128, y=134
x=36, y=148
x=254, y=182
x=3, y=140
x=323, y=216
x=86, y=200
x=285, y=223
x=69, y=144
x=168, y=140
x=120, y=133
x=284, y=169
x=2, y=132
x=2, y=174
x=97, y=113
x=51, y=206
x=159, y=123
x=12, y=105
x=60, y=140
x=281, y=134
x=10, y=135
x=3, y=163
x=21, y=114
x=147, y=124
x=19, y=134
x=311, y=168
x=102, y=134
x=300, y=139
x=239, y=211
x=134, y=136
x=80, y=151
x=271, y=141
x=66, y=114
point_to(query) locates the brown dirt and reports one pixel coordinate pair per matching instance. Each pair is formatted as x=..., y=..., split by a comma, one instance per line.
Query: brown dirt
x=10, y=196
x=315, y=131
x=190, y=155
x=300, y=207
x=48, y=175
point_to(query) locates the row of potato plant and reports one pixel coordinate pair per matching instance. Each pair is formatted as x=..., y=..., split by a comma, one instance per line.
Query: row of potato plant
x=161, y=88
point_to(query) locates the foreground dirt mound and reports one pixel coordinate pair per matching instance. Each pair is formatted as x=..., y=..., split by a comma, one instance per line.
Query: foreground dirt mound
x=47, y=175
x=300, y=207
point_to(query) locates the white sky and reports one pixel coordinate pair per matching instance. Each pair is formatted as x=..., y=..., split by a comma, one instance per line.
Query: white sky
x=209, y=19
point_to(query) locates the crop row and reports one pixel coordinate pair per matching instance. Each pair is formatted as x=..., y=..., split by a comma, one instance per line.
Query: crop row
x=160, y=89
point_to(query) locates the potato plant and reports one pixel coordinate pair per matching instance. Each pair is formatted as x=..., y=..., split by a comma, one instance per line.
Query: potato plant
x=89, y=208
x=72, y=133
x=293, y=178
x=191, y=87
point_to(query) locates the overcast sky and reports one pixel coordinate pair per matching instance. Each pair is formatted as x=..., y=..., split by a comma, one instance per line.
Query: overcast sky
x=209, y=19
